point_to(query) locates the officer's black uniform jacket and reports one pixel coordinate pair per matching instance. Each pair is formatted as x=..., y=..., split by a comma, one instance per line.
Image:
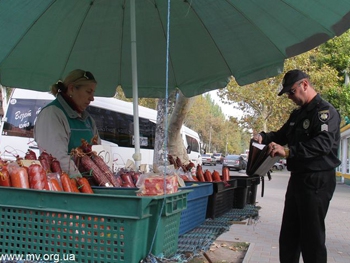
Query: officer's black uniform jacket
x=312, y=134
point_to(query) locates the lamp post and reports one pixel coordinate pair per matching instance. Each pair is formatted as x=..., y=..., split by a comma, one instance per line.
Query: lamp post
x=209, y=139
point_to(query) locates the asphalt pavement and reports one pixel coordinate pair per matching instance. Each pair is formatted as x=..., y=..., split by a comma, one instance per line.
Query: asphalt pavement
x=263, y=233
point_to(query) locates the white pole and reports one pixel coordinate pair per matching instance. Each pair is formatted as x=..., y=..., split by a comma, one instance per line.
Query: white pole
x=344, y=160
x=137, y=155
x=210, y=139
x=346, y=78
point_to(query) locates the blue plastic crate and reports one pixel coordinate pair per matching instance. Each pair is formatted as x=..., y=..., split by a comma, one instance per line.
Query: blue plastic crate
x=197, y=202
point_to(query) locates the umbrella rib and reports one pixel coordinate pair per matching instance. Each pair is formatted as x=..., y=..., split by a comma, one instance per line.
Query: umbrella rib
x=257, y=27
x=217, y=47
x=121, y=45
x=25, y=33
x=76, y=36
x=305, y=14
x=165, y=37
x=263, y=33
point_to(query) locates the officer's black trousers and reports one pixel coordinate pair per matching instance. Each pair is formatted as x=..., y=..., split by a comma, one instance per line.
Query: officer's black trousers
x=303, y=227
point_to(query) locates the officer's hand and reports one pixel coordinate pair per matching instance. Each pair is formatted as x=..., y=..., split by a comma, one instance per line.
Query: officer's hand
x=275, y=150
x=258, y=138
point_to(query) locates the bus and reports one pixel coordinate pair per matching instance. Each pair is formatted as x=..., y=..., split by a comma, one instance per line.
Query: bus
x=114, y=120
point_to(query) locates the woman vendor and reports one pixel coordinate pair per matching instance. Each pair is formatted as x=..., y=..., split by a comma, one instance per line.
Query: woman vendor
x=62, y=124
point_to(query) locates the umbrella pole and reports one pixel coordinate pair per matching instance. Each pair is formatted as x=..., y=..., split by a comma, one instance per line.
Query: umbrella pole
x=137, y=155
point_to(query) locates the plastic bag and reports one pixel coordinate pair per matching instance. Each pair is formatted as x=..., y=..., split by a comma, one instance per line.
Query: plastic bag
x=54, y=182
x=154, y=184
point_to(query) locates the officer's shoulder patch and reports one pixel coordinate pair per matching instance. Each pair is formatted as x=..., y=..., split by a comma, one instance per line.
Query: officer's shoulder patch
x=323, y=115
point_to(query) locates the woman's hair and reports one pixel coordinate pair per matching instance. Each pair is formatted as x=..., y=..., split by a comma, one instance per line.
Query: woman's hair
x=78, y=77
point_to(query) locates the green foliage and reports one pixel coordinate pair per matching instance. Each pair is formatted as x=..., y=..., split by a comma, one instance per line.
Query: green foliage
x=145, y=102
x=336, y=54
x=262, y=108
x=217, y=133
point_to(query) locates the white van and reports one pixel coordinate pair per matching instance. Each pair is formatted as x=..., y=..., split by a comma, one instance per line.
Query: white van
x=114, y=119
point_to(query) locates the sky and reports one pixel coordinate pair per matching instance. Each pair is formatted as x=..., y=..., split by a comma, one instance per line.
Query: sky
x=228, y=110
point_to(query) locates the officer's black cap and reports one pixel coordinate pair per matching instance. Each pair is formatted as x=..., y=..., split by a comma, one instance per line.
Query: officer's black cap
x=290, y=78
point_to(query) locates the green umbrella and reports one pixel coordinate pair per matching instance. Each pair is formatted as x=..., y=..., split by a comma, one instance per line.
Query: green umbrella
x=209, y=41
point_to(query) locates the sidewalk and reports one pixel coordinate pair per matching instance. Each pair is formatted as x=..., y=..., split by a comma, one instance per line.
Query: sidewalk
x=263, y=233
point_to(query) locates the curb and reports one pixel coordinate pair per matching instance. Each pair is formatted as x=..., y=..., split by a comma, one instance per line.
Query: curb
x=249, y=253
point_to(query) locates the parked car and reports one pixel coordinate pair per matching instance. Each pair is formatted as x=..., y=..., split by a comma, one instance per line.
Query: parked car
x=208, y=159
x=284, y=162
x=278, y=166
x=245, y=156
x=235, y=162
x=219, y=157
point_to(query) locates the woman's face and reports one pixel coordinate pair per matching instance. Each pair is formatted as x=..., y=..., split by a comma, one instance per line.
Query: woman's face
x=83, y=95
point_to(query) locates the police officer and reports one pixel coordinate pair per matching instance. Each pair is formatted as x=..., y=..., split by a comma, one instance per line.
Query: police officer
x=309, y=140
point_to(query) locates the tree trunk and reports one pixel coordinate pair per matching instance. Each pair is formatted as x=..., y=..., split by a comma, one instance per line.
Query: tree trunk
x=159, y=157
x=176, y=145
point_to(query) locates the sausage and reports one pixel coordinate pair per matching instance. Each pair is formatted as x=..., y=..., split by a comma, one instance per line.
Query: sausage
x=19, y=177
x=127, y=180
x=4, y=177
x=225, y=174
x=55, y=166
x=45, y=164
x=37, y=177
x=100, y=163
x=216, y=176
x=135, y=176
x=74, y=185
x=84, y=186
x=98, y=175
x=66, y=183
x=199, y=174
x=207, y=176
x=30, y=155
x=54, y=184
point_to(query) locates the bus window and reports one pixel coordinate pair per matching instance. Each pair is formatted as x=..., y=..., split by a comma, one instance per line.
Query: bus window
x=192, y=143
x=118, y=128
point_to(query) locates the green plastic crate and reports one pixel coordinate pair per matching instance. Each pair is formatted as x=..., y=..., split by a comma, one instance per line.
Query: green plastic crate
x=165, y=224
x=83, y=227
x=165, y=221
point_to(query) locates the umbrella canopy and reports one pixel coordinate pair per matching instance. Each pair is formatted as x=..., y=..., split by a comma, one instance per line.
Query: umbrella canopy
x=210, y=40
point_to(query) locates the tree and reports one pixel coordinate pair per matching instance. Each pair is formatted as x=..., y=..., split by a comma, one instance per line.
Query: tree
x=145, y=102
x=217, y=132
x=336, y=54
x=207, y=119
x=262, y=108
